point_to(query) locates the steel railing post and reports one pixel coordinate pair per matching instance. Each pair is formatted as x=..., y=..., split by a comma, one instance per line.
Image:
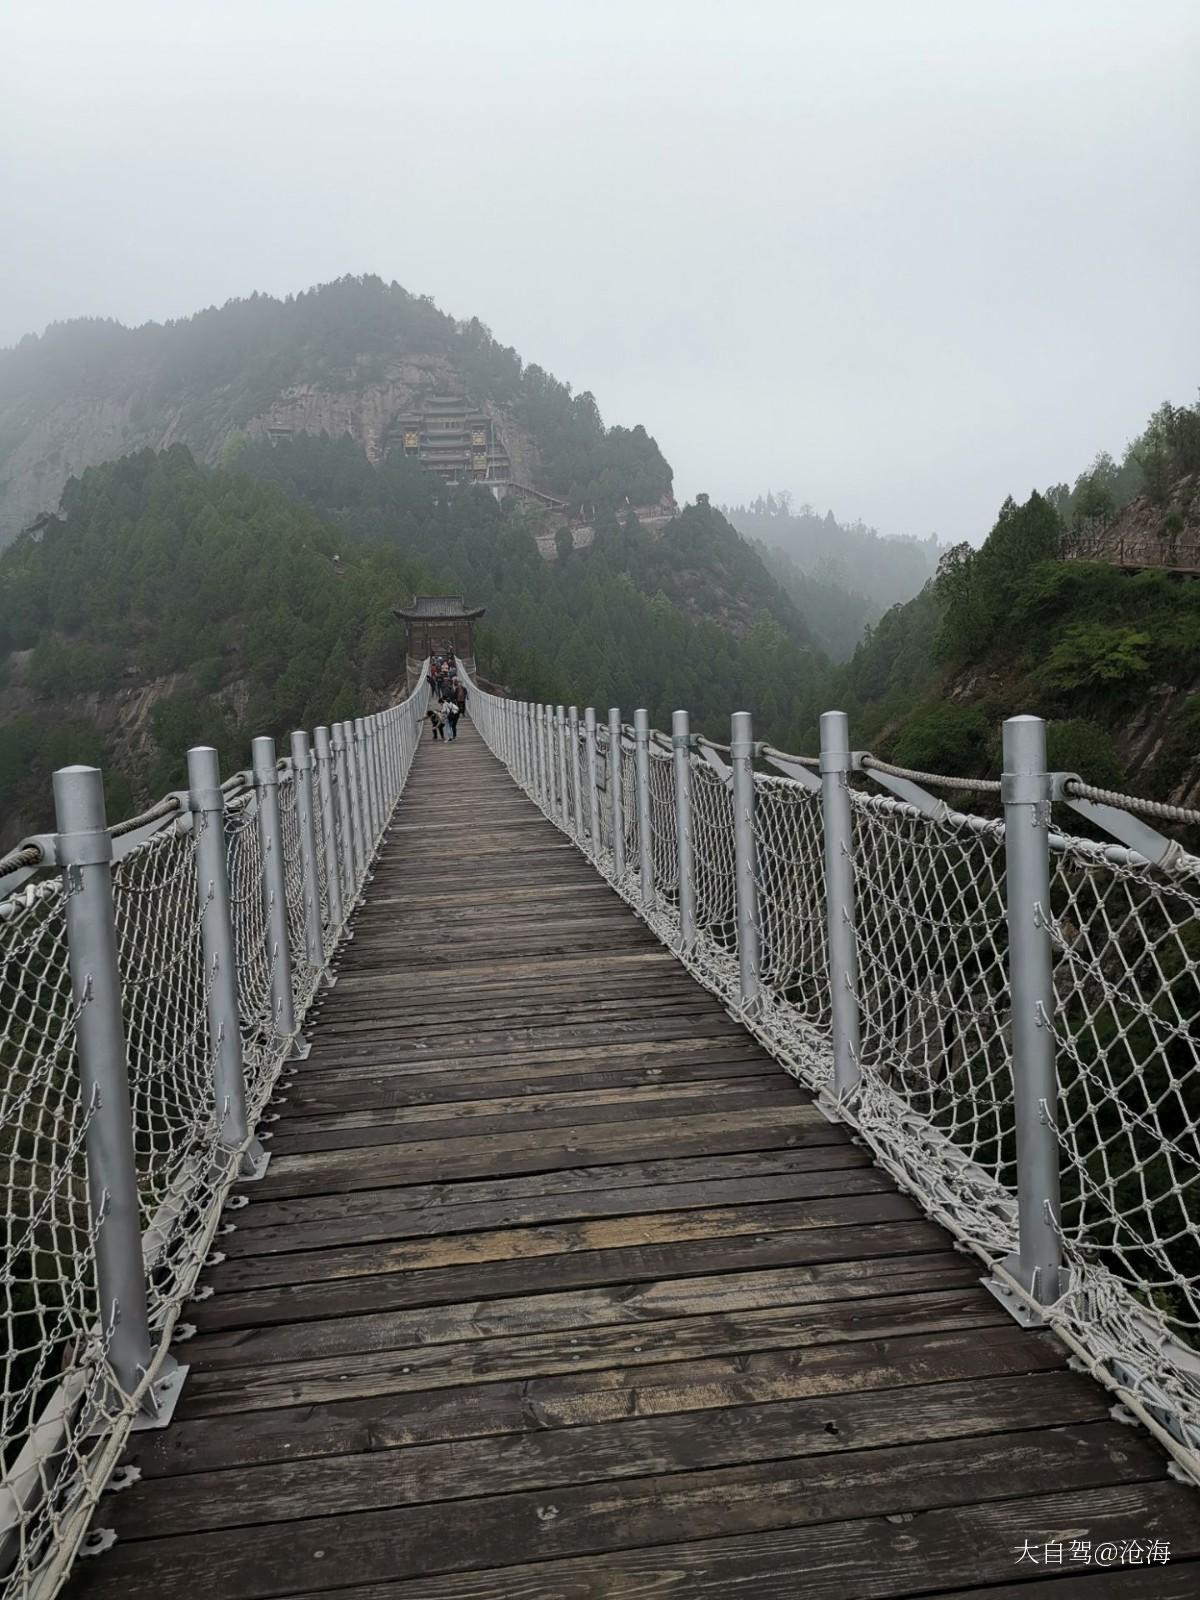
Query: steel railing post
x=1026, y=792
x=840, y=914
x=539, y=731
x=370, y=801
x=564, y=794
x=362, y=852
x=345, y=787
x=641, y=734
x=576, y=791
x=378, y=737
x=593, y=772
x=681, y=748
x=85, y=855
x=741, y=754
x=551, y=762
x=207, y=803
x=616, y=797
x=310, y=872
x=274, y=889
x=325, y=780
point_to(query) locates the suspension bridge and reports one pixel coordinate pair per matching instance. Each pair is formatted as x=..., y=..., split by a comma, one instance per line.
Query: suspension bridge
x=584, y=1161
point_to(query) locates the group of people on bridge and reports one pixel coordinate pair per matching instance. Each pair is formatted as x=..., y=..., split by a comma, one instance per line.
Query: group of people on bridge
x=449, y=697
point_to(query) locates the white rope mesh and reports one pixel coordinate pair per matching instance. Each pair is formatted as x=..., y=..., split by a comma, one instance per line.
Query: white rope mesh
x=935, y=1096
x=64, y=1418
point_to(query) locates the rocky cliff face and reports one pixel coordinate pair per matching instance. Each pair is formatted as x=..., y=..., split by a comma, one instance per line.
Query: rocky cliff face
x=51, y=445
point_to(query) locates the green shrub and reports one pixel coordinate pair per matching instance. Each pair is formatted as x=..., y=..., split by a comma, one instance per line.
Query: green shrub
x=945, y=738
x=1091, y=655
x=1077, y=745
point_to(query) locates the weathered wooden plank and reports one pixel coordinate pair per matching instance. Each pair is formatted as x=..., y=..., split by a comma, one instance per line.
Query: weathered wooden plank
x=529, y=1066
x=263, y=1379
x=319, y=1265
x=574, y=1108
x=434, y=1161
x=441, y=1086
x=870, y=1559
x=500, y=1530
x=342, y=1298
x=682, y=1174
x=608, y=1304
x=628, y=1448
x=573, y=1399
x=376, y=1220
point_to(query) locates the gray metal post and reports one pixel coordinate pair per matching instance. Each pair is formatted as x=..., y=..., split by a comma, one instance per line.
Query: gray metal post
x=362, y=852
x=362, y=734
x=536, y=745
x=593, y=772
x=551, y=759
x=564, y=794
x=840, y=914
x=274, y=887
x=345, y=788
x=375, y=726
x=387, y=798
x=641, y=734
x=576, y=791
x=681, y=755
x=1026, y=795
x=333, y=884
x=85, y=854
x=741, y=752
x=306, y=819
x=616, y=798
x=207, y=804
x=544, y=715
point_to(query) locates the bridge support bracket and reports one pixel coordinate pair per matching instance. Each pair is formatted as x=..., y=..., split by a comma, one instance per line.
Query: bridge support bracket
x=1006, y=1284
x=166, y=1389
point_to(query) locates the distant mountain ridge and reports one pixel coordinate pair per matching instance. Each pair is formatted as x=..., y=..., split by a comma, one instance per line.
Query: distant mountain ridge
x=348, y=357
x=842, y=575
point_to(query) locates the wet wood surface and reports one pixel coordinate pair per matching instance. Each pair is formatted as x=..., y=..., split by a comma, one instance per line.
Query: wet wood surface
x=557, y=1287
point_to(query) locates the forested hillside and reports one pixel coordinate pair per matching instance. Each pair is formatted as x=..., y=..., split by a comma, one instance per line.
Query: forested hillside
x=1111, y=656
x=169, y=603
x=346, y=356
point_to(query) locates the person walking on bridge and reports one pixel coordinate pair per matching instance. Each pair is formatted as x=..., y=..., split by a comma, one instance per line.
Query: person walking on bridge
x=435, y=721
x=450, y=715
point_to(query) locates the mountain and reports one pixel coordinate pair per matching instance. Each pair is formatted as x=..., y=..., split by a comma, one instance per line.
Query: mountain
x=1109, y=653
x=842, y=576
x=169, y=603
x=352, y=357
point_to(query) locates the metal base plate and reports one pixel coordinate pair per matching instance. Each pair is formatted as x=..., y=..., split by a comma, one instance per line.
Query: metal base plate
x=167, y=1390
x=300, y=1050
x=1018, y=1307
x=254, y=1164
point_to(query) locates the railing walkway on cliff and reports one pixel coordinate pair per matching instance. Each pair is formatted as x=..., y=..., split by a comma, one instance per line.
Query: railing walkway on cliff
x=537, y=1203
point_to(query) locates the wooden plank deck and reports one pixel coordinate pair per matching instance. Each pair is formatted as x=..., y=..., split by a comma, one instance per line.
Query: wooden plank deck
x=558, y=1287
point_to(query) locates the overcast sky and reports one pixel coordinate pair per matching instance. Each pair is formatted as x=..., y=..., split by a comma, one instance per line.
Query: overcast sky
x=902, y=258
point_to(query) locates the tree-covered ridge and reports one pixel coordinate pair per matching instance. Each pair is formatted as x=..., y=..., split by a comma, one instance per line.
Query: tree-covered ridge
x=1111, y=657
x=849, y=555
x=170, y=603
x=236, y=607
x=215, y=371
x=634, y=619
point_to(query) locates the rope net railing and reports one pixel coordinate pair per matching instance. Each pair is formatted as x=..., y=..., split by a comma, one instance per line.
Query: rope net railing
x=881, y=945
x=222, y=910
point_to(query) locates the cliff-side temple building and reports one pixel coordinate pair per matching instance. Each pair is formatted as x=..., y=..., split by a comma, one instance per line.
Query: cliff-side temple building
x=438, y=624
x=462, y=444
x=452, y=438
